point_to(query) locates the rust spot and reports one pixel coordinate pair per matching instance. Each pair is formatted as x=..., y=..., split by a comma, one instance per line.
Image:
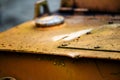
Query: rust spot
x=97, y=47
x=65, y=44
x=88, y=33
x=9, y=45
x=110, y=22
x=3, y=45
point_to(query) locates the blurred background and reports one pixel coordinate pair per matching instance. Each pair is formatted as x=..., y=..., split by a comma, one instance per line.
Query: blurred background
x=14, y=12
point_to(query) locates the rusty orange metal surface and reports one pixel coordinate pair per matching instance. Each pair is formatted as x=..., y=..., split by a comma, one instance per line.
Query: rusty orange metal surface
x=28, y=38
x=105, y=38
x=28, y=52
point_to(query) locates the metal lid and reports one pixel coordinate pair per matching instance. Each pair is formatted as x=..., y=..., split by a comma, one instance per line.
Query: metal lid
x=49, y=21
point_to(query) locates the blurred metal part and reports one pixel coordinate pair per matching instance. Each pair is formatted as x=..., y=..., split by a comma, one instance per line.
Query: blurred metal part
x=38, y=5
x=94, y=5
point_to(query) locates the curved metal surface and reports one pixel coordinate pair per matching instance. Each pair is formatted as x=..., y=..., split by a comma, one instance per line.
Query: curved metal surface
x=45, y=67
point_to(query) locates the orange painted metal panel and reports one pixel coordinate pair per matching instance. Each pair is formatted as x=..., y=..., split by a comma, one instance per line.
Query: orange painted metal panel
x=45, y=67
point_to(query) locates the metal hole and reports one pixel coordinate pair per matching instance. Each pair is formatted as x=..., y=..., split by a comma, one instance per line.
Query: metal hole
x=7, y=78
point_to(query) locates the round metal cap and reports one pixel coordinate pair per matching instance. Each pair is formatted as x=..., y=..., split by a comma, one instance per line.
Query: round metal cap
x=49, y=21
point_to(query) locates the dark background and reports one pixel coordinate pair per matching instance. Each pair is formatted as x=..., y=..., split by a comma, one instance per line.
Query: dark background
x=14, y=12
